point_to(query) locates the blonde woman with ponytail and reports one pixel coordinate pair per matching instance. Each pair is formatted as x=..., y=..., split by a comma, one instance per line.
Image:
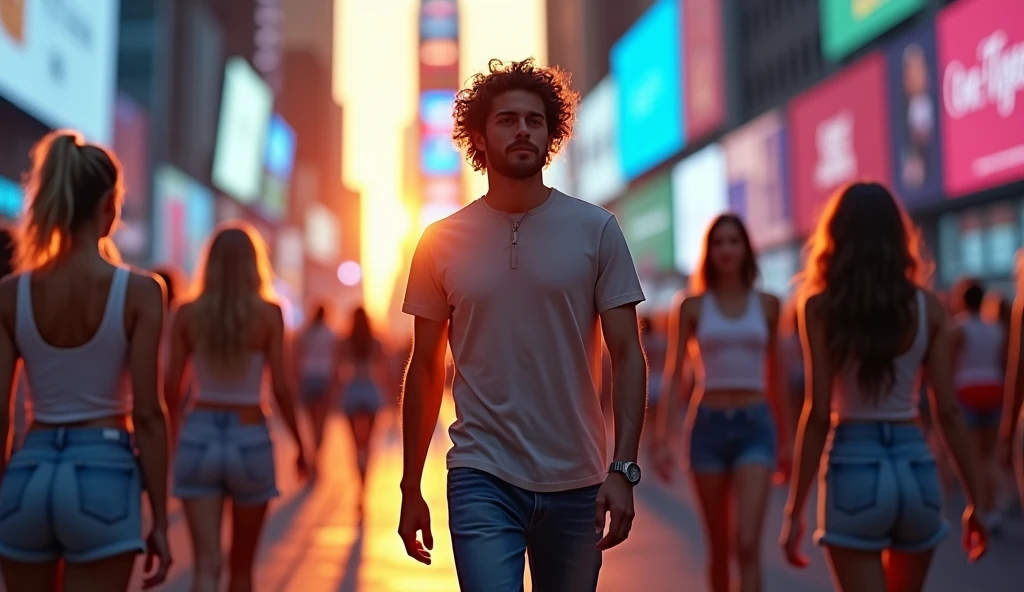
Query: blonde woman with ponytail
x=231, y=330
x=77, y=320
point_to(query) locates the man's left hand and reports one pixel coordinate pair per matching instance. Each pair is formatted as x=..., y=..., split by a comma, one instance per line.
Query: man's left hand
x=616, y=498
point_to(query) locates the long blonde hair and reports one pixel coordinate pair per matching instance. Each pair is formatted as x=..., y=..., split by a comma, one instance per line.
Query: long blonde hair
x=233, y=278
x=68, y=181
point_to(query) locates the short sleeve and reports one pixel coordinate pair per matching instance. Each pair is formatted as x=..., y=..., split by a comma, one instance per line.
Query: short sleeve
x=617, y=282
x=424, y=295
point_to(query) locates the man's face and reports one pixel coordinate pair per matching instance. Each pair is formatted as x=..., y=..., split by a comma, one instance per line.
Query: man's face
x=515, y=137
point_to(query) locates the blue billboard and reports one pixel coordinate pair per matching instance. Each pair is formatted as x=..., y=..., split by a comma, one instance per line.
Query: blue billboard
x=11, y=199
x=913, y=87
x=280, y=156
x=647, y=66
x=436, y=109
x=438, y=156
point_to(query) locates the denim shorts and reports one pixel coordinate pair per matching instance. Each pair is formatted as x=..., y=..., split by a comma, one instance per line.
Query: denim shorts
x=879, y=489
x=313, y=388
x=217, y=456
x=723, y=439
x=72, y=494
x=361, y=396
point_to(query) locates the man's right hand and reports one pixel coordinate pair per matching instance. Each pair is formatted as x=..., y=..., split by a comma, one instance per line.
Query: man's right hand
x=415, y=519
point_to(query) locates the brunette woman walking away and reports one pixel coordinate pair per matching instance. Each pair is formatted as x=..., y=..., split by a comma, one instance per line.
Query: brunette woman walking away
x=731, y=333
x=979, y=354
x=231, y=330
x=868, y=326
x=365, y=373
x=315, y=358
x=71, y=496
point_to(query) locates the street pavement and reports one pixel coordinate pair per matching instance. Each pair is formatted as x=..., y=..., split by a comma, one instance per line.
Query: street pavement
x=314, y=540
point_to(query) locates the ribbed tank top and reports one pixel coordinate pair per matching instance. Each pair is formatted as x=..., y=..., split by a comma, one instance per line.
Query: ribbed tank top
x=245, y=388
x=979, y=362
x=732, y=350
x=75, y=384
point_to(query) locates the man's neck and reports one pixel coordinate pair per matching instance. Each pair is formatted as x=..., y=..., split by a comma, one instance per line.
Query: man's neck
x=516, y=196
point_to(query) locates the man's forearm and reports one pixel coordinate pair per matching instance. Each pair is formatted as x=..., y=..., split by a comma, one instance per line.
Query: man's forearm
x=421, y=405
x=629, y=400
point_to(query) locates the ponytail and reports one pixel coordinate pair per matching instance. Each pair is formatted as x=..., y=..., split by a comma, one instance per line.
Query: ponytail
x=68, y=181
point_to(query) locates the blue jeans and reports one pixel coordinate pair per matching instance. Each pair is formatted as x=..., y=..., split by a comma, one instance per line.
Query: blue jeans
x=493, y=524
x=879, y=489
x=71, y=493
x=723, y=439
x=219, y=457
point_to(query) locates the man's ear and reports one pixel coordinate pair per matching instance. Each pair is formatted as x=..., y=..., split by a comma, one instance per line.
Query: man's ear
x=478, y=142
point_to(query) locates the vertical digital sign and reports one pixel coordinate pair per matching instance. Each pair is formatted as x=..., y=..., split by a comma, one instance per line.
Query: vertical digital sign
x=439, y=163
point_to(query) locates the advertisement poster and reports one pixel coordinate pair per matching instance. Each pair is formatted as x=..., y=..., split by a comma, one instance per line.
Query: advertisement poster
x=131, y=142
x=837, y=134
x=703, y=67
x=646, y=219
x=700, y=193
x=186, y=211
x=646, y=65
x=595, y=146
x=848, y=24
x=244, y=118
x=279, y=160
x=913, y=87
x=757, y=170
x=58, y=62
x=981, y=64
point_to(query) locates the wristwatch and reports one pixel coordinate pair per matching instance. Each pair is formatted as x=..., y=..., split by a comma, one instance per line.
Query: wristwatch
x=629, y=469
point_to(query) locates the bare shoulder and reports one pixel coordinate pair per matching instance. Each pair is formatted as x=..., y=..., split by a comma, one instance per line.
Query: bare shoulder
x=771, y=304
x=146, y=288
x=272, y=312
x=935, y=311
x=812, y=306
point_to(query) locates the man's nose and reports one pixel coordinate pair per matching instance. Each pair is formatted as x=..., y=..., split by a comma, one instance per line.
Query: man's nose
x=522, y=130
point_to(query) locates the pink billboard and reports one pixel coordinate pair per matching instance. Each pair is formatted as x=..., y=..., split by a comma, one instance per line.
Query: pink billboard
x=703, y=82
x=838, y=134
x=981, y=66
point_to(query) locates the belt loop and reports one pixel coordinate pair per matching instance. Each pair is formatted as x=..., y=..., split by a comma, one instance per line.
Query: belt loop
x=60, y=437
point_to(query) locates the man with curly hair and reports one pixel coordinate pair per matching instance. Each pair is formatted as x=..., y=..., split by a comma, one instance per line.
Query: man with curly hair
x=516, y=282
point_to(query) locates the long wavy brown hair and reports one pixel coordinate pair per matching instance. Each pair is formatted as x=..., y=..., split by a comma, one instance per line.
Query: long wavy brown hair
x=233, y=278
x=866, y=258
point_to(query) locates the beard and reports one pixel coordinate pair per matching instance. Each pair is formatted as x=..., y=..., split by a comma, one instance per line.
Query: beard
x=517, y=165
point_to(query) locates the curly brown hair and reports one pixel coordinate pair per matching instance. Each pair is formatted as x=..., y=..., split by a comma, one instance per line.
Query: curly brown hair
x=473, y=104
x=867, y=260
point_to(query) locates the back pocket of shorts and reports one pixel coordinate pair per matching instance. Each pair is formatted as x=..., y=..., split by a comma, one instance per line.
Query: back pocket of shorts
x=12, y=491
x=853, y=484
x=105, y=491
x=187, y=459
x=258, y=462
x=926, y=475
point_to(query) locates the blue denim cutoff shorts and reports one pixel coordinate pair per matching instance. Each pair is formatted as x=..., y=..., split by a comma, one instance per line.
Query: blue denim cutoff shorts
x=879, y=489
x=217, y=456
x=722, y=439
x=71, y=493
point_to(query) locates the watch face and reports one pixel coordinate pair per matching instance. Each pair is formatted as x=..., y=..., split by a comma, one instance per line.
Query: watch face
x=633, y=473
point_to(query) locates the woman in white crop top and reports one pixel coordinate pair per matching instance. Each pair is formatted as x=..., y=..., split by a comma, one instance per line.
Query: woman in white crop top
x=736, y=422
x=315, y=348
x=979, y=354
x=867, y=330
x=232, y=331
x=71, y=496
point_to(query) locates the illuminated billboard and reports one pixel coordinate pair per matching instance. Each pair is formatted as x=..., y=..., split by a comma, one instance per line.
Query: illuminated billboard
x=244, y=118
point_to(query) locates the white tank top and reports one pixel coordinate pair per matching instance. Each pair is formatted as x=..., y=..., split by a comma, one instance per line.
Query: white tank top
x=318, y=348
x=980, y=359
x=75, y=384
x=246, y=388
x=732, y=350
x=850, y=403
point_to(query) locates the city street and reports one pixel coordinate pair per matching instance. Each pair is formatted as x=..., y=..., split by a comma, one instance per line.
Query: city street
x=314, y=542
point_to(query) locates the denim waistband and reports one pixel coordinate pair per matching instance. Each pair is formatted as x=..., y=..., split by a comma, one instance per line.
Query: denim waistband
x=883, y=432
x=223, y=418
x=62, y=437
x=745, y=412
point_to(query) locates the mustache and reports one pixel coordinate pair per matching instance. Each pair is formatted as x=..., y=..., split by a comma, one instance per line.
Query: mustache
x=523, y=146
